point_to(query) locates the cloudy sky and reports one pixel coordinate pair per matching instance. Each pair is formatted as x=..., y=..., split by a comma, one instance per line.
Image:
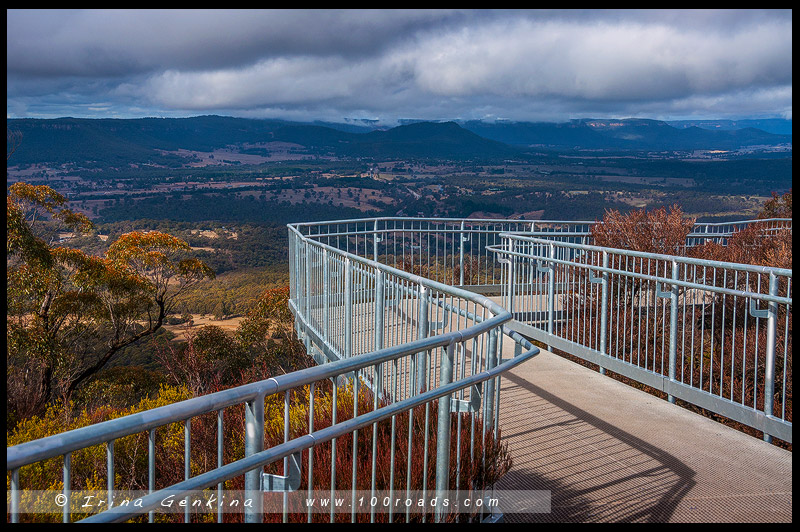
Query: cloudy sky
x=386, y=65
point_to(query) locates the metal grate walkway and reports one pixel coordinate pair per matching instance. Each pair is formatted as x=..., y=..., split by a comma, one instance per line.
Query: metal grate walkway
x=611, y=453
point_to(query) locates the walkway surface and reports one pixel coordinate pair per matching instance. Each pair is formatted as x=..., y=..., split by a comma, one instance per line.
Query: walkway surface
x=609, y=452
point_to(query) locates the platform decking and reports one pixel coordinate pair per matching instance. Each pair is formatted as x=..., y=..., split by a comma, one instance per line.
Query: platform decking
x=610, y=452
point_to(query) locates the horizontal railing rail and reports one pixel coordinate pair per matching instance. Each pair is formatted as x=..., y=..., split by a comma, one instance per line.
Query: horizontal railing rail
x=391, y=309
x=408, y=343
x=714, y=334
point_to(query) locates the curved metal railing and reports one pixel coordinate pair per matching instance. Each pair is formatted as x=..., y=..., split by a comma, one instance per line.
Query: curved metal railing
x=382, y=305
x=398, y=344
x=457, y=251
x=714, y=334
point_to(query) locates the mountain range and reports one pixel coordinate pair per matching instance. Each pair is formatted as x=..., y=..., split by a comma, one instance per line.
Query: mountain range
x=626, y=134
x=120, y=141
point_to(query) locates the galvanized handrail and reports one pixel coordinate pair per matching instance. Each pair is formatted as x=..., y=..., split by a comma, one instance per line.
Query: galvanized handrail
x=308, y=376
x=357, y=315
x=418, y=373
x=460, y=245
x=694, y=315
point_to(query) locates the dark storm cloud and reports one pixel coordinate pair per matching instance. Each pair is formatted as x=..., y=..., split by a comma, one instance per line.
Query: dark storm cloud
x=526, y=65
x=114, y=43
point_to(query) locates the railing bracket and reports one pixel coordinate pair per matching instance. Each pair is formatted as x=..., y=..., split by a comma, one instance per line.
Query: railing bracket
x=663, y=293
x=290, y=482
x=473, y=405
x=756, y=312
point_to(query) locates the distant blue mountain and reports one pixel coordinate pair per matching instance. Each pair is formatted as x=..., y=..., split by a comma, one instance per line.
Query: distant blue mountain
x=117, y=142
x=104, y=142
x=626, y=134
x=778, y=126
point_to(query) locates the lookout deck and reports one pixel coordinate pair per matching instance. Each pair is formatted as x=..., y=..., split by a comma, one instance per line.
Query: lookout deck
x=610, y=452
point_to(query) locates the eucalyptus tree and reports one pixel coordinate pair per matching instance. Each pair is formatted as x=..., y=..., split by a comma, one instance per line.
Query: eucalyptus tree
x=69, y=312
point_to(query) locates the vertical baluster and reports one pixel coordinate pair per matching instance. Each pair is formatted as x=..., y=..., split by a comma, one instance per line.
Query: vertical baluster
x=286, y=458
x=422, y=324
x=551, y=288
x=187, y=463
x=254, y=443
x=151, y=468
x=355, y=449
x=311, y=391
x=220, y=459
x=335, y=409
x=326, y=290
x=348, y=312
x=110, y=470
x=67, y=487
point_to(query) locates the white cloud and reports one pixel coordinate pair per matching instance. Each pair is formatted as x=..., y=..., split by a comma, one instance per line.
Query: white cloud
x=421, y=64
x=602, y=61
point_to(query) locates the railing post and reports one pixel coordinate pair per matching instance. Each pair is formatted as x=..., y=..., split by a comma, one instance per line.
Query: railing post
x=375, y=242
x=443, y=432
x=604, y=311
x=551, y=296
x=110, y=468
x=67, y=487
x=326, y=285
x=491, y=362
x=673, y=328
x=151, y=469
x=15, y=495
x=422, y=325
x=348, y=308
x=769, y=372
x=254, y=443
x=461, y=254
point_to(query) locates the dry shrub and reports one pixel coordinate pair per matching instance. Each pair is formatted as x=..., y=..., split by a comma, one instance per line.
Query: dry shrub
x=712, y=353
x=657, y=231
x=481, y=464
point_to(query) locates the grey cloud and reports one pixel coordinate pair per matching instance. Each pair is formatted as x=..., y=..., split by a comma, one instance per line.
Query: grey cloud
x=519, y=64
x=113, y=43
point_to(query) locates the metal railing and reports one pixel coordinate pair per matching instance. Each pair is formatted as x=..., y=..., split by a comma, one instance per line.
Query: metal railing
x=713, y=334
x=395, y=348
x=452, y=251
x=457, y=251
x=381, y=305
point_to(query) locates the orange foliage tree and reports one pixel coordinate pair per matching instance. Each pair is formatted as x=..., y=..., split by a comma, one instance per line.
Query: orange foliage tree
x=710, y=323
x=68, y=312
x=656, y=231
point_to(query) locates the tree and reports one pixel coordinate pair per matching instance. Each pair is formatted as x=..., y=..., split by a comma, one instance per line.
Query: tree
x=657, y=231
x=778, y=206
x=69, y=312
x=268, y=332
x=13, y=140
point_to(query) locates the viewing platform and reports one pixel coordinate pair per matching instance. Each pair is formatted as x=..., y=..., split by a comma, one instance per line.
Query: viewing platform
x=447, y=329
x=609, y=453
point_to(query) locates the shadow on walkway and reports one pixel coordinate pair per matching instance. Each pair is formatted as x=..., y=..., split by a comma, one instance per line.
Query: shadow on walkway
x=595, y=471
